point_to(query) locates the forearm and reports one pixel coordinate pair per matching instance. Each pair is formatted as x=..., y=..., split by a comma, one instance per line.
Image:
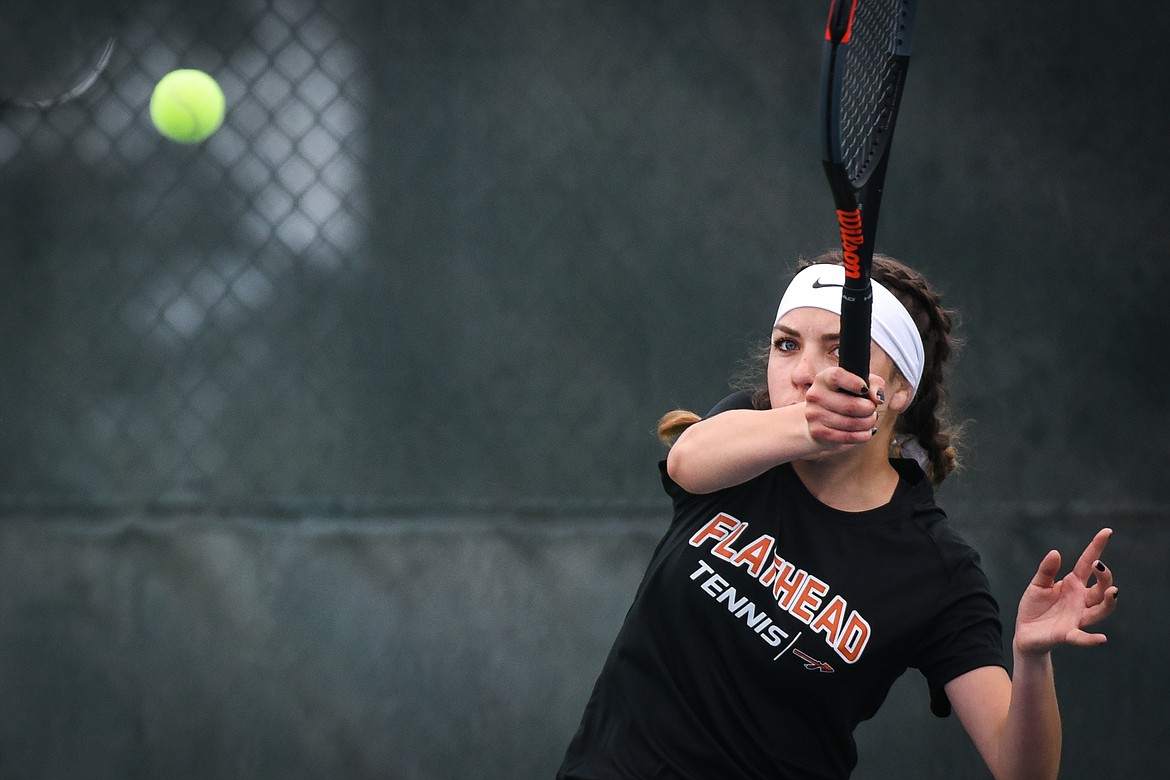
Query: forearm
x=732, y=447
x=1031, y=740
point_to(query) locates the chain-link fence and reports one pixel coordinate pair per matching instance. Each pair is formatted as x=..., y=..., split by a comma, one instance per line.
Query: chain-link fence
x=448, y=254
x=428, y=258
x=172, y=312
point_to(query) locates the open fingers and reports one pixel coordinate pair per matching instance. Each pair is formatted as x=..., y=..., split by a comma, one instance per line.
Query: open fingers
x=1047, y=571
x=1085, y=639
x=1104, y=580
x=1085, y=566
x=1101, y=597
x=1095, y=614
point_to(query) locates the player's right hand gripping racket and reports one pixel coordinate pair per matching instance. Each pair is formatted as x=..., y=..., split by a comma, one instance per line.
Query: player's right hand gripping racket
x=867, y=49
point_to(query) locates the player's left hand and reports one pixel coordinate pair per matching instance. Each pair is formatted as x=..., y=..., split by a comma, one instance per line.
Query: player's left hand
x=1057, y=612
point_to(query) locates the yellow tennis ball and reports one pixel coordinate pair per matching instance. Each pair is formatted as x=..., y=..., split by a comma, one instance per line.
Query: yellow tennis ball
x=187, y=106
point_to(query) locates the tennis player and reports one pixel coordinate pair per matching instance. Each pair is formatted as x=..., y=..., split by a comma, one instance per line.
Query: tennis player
x=807, y=566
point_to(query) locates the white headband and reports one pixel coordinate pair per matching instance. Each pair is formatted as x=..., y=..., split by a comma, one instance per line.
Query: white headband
x=819, y=286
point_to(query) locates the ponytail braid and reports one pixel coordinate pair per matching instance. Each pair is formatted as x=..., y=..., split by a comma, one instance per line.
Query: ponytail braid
x=927, y=419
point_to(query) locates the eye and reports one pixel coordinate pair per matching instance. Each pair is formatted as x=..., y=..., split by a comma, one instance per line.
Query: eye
x=785, y=344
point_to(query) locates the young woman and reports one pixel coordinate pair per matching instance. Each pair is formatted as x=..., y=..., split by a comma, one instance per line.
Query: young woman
x=807, y=566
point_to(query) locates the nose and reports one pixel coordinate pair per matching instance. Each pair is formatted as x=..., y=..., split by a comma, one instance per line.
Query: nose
x=804, y=373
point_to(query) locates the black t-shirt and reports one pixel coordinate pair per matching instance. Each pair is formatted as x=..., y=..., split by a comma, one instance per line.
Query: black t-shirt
x=768, y=625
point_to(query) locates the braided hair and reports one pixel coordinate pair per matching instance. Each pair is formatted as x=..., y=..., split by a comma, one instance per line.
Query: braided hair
x=926, y=420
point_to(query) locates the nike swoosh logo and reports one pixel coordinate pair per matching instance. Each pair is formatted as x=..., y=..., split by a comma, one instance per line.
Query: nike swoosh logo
x=818, y=284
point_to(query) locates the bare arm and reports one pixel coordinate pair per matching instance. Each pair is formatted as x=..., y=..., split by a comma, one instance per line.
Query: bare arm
x=732, y=447
x=738, y=444
x=1015, y=723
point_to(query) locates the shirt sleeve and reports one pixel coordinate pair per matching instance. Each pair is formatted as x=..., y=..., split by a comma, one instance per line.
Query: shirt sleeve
x=740, y=399
x=967, y=633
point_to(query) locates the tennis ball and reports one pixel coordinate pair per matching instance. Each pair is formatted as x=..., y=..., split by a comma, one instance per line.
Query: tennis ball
x=187, y=106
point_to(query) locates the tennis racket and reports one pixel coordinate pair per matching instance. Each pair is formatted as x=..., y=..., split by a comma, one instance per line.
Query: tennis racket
x=866, y=51
x=54, y=52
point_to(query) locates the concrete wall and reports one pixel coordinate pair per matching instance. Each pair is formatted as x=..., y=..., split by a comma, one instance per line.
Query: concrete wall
x=437, y=648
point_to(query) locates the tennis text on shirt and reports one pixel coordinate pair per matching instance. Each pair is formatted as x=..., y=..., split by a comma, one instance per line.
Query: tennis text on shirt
x=799, y=593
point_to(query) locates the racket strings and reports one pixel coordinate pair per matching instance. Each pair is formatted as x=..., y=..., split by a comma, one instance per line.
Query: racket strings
x=870, y=84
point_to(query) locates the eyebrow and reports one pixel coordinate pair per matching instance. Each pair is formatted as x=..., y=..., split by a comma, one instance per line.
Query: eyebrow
x=834, y=336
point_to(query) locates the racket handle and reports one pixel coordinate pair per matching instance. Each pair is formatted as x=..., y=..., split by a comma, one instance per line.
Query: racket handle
x=856, y=310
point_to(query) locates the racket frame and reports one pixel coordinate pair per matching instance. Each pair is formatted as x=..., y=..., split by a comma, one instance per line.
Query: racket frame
x=857, y=196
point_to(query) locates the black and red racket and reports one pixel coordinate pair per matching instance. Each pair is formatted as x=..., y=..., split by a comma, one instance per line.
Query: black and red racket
x=867, y=49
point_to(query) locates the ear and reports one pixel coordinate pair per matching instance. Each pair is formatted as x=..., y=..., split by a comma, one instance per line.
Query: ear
x=901, y=396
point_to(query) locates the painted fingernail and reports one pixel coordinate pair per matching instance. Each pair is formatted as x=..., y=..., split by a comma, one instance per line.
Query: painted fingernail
x=881, y=396
x=864, y=390
x=1100, y=566
x=1115, y=595
x=873, y=431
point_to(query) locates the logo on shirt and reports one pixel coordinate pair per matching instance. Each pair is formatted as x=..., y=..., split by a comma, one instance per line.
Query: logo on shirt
x=812, y=664
x=807, y=598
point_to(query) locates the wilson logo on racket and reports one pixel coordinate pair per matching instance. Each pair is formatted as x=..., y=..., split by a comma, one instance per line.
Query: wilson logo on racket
x=863, y=70
x=852, y=238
